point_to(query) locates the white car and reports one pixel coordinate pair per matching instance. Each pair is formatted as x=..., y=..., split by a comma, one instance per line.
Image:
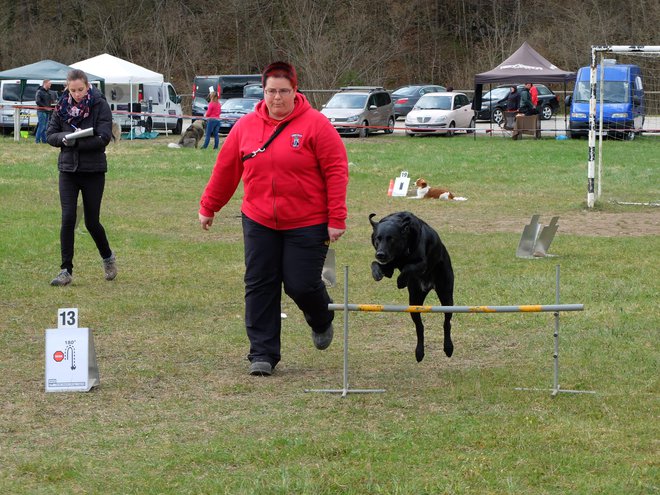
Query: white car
x=440, y=113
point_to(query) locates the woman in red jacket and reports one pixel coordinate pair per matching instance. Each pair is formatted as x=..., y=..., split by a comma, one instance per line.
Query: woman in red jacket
x=213, y=121
x=294, y=204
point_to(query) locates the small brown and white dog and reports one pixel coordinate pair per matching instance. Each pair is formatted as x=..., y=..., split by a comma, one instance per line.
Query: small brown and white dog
x=424, y=191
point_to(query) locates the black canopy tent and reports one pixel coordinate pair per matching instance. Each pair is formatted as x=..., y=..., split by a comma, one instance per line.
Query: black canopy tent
x=524, y=65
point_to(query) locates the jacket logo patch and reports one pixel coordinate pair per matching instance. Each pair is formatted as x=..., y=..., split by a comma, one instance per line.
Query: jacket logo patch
x=296, y=140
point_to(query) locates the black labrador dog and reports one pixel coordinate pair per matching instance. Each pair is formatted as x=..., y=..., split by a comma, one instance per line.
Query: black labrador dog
x=407, y=243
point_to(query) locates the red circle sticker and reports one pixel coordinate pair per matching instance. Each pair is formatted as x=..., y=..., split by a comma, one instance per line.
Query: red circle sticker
x=58, y=356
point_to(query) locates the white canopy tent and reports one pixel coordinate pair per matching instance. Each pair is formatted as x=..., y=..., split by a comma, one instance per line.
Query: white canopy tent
x=118, y=71
x=121, y=77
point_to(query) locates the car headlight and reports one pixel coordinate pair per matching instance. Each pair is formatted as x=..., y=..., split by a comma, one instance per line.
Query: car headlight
x=623, y=115
x=578, y=115
x=353, y=118
x=441, y=118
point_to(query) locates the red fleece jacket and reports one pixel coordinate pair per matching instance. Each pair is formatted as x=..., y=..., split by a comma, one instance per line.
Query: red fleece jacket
x=300, y=180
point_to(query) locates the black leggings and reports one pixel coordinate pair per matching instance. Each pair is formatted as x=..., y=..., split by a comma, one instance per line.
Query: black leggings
x=91, y=185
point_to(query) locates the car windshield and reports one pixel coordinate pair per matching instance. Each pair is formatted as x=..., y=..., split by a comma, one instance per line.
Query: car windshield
x=429, y=102
x=613, y=92
x=238, y=105
x=497, y=93
x=204, y=85
x=256, y=90
x=347, y=100
x=406, y=91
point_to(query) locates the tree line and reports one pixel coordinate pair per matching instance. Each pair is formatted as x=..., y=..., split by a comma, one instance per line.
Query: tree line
x=331, y=42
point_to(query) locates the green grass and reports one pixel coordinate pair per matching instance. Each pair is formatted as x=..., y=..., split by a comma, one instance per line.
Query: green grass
x=177, y=413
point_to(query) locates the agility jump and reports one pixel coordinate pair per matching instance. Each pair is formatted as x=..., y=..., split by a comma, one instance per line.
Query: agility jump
x=389, y=308
x=524, y=308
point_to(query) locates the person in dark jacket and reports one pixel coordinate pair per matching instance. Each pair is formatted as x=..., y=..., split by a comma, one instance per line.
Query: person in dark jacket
x=526, y=105
x=82, y=165
x=513, y=100
x=43, y=100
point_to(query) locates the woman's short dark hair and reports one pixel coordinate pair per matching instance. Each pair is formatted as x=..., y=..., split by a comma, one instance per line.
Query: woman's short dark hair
x=280, y=69
x=75, y=74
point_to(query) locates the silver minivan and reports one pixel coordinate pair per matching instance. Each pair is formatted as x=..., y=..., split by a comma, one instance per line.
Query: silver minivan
x=360, y=111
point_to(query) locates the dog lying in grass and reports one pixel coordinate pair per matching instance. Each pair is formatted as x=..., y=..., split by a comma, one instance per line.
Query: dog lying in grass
x=405, y=242
x=427, y=192
x=192, y=136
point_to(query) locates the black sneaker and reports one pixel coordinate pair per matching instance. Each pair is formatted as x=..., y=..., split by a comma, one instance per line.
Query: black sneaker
x=261, y=368
x=63, y=278
x=323, y=339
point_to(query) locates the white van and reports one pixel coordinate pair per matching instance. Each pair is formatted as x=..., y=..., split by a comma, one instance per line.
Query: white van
x=159, y=102
x=10, y=96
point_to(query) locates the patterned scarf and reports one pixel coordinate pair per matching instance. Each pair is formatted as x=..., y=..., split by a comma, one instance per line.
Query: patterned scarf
x=72, y=112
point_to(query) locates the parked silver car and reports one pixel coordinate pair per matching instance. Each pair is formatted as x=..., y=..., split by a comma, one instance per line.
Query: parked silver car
x=360, y=110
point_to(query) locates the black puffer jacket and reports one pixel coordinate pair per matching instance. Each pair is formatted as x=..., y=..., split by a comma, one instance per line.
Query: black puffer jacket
x=88, y=154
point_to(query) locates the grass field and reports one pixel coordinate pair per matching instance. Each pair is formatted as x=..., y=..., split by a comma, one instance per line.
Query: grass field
x=176, y=411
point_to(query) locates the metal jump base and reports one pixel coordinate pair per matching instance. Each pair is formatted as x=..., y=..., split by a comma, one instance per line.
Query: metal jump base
x=529, y=308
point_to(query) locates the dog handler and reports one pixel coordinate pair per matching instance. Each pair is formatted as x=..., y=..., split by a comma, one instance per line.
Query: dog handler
x=82, y=164
x=294, y=204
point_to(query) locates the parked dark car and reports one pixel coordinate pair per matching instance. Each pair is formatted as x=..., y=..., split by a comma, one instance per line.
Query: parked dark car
x=405, y=97
x=493, y=103
x=233, y=109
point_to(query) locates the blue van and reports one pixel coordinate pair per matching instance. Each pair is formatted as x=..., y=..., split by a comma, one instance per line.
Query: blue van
x=623, y=101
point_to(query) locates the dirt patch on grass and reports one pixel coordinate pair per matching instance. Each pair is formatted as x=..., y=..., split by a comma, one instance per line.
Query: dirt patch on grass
x=594, y=224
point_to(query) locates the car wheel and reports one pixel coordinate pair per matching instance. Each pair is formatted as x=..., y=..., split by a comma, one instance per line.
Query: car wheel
x=629, y=135
x=498, y=115
x=451, y=131
x=546, y=112
x=178, y=128
x=390, y=126
x=471, y=126
x=364, y=132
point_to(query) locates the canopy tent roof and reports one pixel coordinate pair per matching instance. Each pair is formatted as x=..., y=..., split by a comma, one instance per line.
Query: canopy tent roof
x=525, y=65
x=119, y=71
x=45, y=69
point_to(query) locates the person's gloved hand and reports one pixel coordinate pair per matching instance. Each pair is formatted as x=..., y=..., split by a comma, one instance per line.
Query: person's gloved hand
x=68, y=143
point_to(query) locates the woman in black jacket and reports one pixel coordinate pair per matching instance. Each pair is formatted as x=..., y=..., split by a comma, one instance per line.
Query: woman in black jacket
x=82, y=164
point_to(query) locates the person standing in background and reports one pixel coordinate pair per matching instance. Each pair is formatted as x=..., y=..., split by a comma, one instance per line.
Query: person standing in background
x=44, y=102
x=213, y=122
x=534, y=93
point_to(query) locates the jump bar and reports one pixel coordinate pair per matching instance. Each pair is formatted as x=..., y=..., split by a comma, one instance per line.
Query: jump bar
x=527, y=308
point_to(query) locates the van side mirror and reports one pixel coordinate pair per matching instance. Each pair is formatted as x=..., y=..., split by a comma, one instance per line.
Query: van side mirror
x=373, y=107
x=568, y=100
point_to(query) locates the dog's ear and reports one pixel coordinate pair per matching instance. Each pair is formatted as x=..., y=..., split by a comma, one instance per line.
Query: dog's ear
x=409, y=230
x=373, y=224
x=405, y=225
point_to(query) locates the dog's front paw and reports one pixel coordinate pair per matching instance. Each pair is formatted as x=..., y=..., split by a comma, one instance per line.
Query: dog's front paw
x=448, y=348
x=402, y=281
x=419, y=353
x=376, y=272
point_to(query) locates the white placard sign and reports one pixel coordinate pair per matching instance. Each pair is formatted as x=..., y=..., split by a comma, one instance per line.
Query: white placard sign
x=67, y=318
x=70, y=355
x=401, y=184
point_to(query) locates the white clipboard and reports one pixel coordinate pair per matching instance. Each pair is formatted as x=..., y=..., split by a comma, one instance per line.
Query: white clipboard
x=80, y=133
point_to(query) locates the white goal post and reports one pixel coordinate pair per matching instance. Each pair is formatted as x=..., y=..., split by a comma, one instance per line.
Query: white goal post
x=591, y=167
